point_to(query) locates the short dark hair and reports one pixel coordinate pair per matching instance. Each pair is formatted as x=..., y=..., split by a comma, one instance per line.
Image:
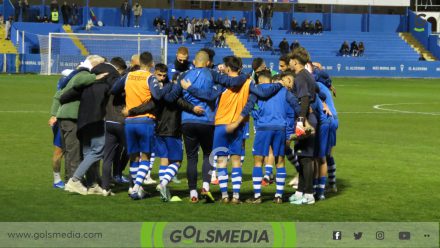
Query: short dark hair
x=119, y=63
x=257, y=62
x=233, y=62
x=276, y=77
x=301, y=55
x=285, y=59
x=287, y=74
x=210, y=52
x=265, y=73
x=161, y=67
x=146, y=58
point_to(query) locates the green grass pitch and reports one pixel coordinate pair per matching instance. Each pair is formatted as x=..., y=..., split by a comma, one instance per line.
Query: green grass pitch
x=387, y=162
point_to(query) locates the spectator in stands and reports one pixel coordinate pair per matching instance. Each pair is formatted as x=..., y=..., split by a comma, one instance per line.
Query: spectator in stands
x=234, y=25
x=227, y=24
x=345, y=49
x=305, y=27
x=173, y=22
x=181, y=22
x=206, y=25
x=198, y=29
x=268, y=46
x=284, y=47
x=318, y=27
x=212, y=24
x=354, y=49
x=262, y=43
x=294, y=45
x=361, y=49
x=169, y=32
x=25, y=11
x=268, y=14
x=260, y=16
x=258, y=33
x=216, y=39
x=163, y=26
x=242, y=25
x=294, y=26
x=190, y=31
x=17, y=10
x=65, y=12
x=220, y=24
x=74, y=14
x=157, y=22
x=178, y=32
x=8, y=26
x=54, y=15
x=125, y=13
x=223, y=38
x=186, y=21
x=45, y=19
x=137, y=12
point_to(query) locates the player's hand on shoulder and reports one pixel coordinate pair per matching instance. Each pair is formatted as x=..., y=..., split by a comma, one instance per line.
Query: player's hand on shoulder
x=185, y=84
x=52, y=121
x=198, y=110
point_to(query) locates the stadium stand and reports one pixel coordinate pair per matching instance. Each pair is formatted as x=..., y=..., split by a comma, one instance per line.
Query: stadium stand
x=390, y=41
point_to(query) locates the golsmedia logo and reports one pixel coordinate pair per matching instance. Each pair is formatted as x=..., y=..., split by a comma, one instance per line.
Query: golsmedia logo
x=213, y=234
x=190, y=235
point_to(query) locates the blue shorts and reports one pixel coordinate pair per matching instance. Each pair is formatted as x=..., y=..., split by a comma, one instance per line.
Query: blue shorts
x=232, y=143
x=322, y=142
x=169, y=147
x=246, y=131
x=139, y=133
x=56, y=136
x=264, y=139
x=332, y=132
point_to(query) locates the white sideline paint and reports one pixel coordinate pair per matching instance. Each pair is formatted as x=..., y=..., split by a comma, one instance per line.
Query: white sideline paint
x=383, y=107
x=24, y=112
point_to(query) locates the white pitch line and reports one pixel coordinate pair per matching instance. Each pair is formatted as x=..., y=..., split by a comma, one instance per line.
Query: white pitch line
x=23, y=111
x=381, y=107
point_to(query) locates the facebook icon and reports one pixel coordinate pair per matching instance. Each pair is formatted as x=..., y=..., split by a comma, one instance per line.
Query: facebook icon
x=337, y=235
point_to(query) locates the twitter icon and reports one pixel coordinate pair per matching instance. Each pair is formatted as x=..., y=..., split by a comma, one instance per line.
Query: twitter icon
x=357, y=235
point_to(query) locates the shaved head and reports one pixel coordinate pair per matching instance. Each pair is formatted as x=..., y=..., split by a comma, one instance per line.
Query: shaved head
x=135, y=60
x=202, y=59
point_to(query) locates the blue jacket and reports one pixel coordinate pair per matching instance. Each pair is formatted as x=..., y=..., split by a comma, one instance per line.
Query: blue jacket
x=318, y=110
x=272, y=114
x=200, y=78
x=328, y=99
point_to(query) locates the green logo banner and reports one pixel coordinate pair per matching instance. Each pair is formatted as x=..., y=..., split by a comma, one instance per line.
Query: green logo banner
x=218, y=234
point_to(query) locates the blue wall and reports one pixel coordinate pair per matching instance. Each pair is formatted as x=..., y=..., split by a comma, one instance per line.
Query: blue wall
x=346, y=22
x=421, y=36
x=434, y=48
x=386, y=23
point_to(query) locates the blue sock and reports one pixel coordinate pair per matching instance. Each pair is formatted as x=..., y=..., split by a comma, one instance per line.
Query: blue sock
x=169, y=173
x=144, y=167
x=236, y=179
x=223, y=177
x=315, y=184
x=162, y=169
x=134, y=169
x=321, y=188
x=281, y=180
x=257, y=176
x=331, y=169
x=269, y=169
